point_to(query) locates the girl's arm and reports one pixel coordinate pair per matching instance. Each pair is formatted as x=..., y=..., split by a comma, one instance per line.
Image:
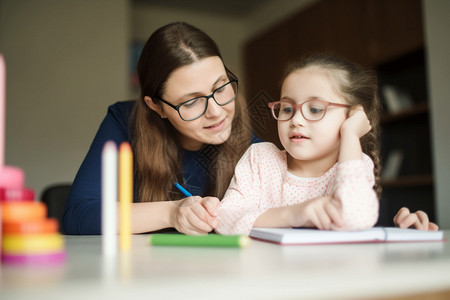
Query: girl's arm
x=354, y=177
x=251, y=199
x=322, y=213
x=353, y=128
x=243, y=203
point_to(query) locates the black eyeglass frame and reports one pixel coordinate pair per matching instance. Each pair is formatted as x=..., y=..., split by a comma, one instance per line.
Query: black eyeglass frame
x=177, y=107
x=300, y=105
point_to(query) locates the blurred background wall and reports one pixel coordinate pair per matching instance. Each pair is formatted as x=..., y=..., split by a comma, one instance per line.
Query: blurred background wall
x=68, y=60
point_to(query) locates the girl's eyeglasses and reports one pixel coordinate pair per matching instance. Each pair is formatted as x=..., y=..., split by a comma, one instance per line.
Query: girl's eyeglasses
x=312, y=110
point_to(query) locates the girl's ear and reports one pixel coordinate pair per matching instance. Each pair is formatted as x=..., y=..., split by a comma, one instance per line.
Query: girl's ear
x=153, y=106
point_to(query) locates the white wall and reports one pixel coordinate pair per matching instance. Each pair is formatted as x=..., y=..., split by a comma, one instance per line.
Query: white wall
x=229, y=32
x=437, y=23
x=226, y=31
x=66, y=61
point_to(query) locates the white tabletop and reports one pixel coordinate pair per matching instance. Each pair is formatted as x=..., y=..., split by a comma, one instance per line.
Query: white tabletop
x=260, y=271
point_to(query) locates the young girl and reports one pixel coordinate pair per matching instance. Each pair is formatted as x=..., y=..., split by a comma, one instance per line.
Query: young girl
x=327, y=176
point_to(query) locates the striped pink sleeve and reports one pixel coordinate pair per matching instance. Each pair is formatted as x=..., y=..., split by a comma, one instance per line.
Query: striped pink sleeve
x=354, y=188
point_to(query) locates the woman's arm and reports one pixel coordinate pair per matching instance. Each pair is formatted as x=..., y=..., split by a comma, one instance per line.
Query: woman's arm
x=82, y=215
x=192, y=215
x=83, y=207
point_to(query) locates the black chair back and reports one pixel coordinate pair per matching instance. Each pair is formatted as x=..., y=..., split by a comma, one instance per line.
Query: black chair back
x=55, y=197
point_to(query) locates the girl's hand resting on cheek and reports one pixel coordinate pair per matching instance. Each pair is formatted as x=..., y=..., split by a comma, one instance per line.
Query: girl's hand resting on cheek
x=418, y=220
x=196, y=215
x=356, y=123
x=323, y=213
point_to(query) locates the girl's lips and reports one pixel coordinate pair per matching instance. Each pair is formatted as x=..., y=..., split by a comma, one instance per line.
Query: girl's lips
x=298, y=137
x=216, y=126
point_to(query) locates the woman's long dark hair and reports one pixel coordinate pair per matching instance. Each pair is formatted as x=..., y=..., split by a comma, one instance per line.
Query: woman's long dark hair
x=157, y=154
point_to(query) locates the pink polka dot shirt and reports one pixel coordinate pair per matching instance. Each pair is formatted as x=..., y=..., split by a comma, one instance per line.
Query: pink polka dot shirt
x=262, y=181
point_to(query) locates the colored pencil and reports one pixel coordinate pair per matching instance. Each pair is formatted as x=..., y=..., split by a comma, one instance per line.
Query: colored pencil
x=125, y=194
x=109, y=199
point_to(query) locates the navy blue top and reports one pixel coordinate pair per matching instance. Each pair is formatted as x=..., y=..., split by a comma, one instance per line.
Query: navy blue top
x=82, y=213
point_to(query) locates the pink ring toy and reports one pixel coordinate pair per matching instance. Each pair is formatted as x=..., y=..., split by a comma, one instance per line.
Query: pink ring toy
x=11, y=177
x=50, y=258
x=16, y=195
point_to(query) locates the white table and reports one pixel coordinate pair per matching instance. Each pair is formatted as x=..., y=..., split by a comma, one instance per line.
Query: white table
x=260, y=271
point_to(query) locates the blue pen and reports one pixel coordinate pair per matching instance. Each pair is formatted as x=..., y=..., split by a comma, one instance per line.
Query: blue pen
x=183, y=190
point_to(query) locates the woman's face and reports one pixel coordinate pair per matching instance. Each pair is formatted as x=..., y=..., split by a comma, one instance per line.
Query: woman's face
x=200, y=78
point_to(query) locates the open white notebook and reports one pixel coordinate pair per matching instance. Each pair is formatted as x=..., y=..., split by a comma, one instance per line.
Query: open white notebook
x=302, y=236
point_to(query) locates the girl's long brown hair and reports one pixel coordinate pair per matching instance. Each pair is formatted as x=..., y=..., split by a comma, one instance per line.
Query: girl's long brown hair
x=156, y=150
x=359, y=87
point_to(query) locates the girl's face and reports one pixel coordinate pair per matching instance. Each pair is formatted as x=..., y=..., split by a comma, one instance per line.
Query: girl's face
x=200, y=78
x=311, y=141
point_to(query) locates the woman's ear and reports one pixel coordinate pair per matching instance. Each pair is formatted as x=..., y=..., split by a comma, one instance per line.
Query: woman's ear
x=153, y=106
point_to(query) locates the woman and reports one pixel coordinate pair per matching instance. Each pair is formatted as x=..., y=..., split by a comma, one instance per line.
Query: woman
x=186, y=127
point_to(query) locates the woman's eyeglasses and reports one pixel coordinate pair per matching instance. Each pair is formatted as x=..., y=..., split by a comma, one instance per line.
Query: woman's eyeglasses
x=312, y=110
x=196, y=107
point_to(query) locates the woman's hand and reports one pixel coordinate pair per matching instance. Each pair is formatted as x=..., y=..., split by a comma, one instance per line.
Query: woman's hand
x=418, y=220
x=196, y=215
x=357, y=122
x=323, y=213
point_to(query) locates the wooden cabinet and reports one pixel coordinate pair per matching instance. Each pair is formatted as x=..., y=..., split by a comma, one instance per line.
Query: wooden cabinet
x=406, y=133
x=396, y=29
x=385, y=35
